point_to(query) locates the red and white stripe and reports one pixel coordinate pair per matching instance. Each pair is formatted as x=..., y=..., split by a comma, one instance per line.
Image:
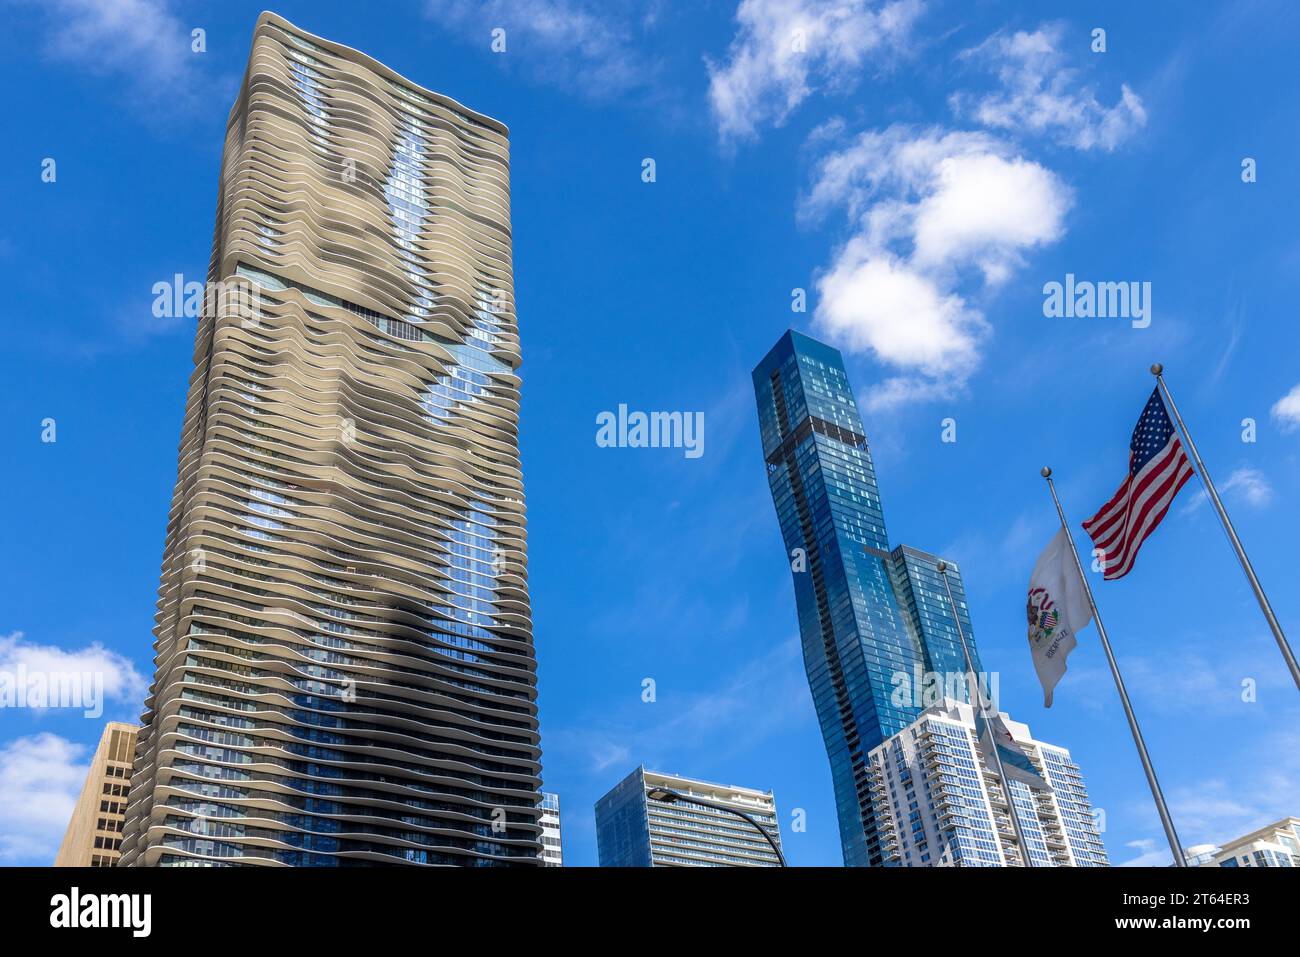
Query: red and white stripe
x=1123, y=523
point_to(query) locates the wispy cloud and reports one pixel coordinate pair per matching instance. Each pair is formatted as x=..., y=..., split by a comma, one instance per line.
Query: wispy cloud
x=1039, y=93
x=1236, y=325
x=1195, y=681
x=1263, y=788
x=1245, y=485
x=42, y=776
x=591, y=47
x=783, y=50
x=931, y=211
x=681, y=731
x=1249, y=486
x=1149, y=854
x=144, y=43
x=126, y=330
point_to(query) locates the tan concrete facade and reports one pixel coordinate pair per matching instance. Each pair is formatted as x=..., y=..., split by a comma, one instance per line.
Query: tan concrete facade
x=344, y=667
x=94, y=834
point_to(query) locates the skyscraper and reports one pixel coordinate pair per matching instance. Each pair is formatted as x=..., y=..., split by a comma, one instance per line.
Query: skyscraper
x=344, y=661
x=552, y=841
x=635, y=829
x=871, y=618
x=94, y=834
x=938, y=804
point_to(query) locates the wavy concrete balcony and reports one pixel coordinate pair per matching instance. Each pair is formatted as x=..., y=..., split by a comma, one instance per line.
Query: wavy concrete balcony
x=344, y=662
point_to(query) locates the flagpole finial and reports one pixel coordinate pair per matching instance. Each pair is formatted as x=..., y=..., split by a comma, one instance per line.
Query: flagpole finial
x=1046, y=472
x=943, y=568
x=1157, y=368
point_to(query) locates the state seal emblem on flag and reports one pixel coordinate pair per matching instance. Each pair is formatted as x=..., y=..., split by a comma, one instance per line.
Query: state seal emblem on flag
x=1041, y=612
x=1057, y=608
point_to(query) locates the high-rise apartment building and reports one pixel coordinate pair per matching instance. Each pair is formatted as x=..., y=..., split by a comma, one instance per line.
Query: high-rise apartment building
x=937, y=802
x=94, y=834
x=636, y=829
x=552, y=843
x=872, y=618
x=344, y=661
x=1275, y=845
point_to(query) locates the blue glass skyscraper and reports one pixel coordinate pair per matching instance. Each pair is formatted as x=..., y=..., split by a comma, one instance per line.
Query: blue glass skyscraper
x=871, y=618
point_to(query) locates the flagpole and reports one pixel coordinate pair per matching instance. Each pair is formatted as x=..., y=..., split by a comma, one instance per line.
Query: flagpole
x=1165, y=818
x=1157, y=370
x=997, y=758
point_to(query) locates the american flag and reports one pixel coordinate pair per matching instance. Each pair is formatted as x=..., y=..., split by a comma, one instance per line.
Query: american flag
x=1157, y=468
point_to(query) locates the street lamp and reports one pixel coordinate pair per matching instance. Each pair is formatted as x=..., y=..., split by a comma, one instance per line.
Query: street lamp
x=669, y=796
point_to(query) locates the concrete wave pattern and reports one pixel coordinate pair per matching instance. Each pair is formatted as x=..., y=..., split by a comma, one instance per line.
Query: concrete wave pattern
x=345, y=671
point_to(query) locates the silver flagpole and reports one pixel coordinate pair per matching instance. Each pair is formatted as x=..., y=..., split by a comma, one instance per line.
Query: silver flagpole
x=997, y=758
x=1157, y=370
x=1150, y=770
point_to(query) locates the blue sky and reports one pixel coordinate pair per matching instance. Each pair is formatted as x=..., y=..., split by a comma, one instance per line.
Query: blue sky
x=921, y=169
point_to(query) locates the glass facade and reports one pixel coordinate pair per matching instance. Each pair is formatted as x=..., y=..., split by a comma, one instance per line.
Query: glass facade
x=871, y=618
x=636, y=829
x=623, y=825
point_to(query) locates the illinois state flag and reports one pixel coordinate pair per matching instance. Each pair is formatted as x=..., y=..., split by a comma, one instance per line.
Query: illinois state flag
x=992, y=732
x=1057, y=610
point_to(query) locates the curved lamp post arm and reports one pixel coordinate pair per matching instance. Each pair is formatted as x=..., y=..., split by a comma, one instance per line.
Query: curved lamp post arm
x=669, y=796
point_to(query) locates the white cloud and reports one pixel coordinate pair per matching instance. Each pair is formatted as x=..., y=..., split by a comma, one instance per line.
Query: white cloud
x=1150, y=854
x=1207, y=678
x=986, y=208
x=121, y=681
x=1287, y=410
x=1245, y=485
x=43, y=775
x=1249, y=485
x=784, y=49
x=1219, y=810
x=586, y=45
x=1040, y=94
x=873, y=302
x=1263, y=788
x=142, y=40
x=111, y=34
x=930, y=209
x=607, y=754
